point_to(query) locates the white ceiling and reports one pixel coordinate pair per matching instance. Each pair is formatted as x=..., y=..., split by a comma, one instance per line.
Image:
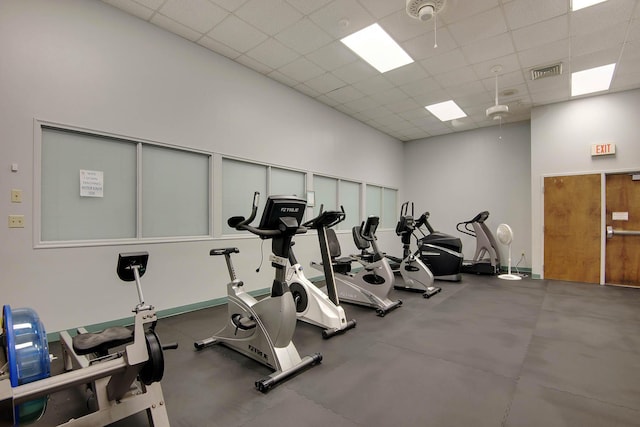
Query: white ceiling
x=297, y=42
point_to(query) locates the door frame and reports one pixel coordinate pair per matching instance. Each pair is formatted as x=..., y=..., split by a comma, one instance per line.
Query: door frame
x=603, y=210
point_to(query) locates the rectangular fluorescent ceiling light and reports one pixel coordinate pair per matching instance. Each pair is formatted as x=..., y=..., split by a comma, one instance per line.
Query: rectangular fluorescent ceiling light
x=376, y=47
x=446, y=111
x=592, y=80
x=581, y=4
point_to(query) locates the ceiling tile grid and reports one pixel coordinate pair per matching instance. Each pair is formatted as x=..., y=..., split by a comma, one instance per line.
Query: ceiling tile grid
x=297, y=43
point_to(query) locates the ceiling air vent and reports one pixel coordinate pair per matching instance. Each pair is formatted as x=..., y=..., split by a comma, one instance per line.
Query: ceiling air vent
x=548, y=71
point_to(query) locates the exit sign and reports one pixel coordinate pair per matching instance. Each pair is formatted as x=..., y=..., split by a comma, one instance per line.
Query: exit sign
x=603, y=149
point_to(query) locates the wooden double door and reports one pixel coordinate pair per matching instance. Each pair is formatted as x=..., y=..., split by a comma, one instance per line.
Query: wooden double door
x=575, y=240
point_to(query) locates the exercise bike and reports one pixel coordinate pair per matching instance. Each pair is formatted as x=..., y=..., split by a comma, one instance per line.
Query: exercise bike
x=312, y=304
x=440, y=252
x=486, y=259
x=371, y=285
x=262, y=330
x=121, y=383
x=415, y=274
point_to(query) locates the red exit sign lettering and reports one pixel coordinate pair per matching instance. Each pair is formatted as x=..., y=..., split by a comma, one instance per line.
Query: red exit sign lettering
x=603, y=149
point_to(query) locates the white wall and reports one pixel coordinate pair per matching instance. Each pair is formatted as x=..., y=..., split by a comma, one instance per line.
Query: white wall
x=86, y=64
x=561, y=139
x=456, y=176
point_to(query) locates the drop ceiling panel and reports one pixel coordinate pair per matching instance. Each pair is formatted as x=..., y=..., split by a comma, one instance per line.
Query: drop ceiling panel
x=484, y=50
x=458, y=10
x=345, y=94
x=306, y=6
x=389, y=96
x=199, y=15
x=465, y=92
x=421, y=87
x=304, y=37
x=609, y=38
x=594, y=59
x=407, y=74
x=478, y=27
x=403, y=105
x=401, y=29
x=423, y=46
x=508, y=63
x=342, y=17
x=602, y=15
x=237, y=34
x=521, y=13
x=372, y=85
x=332, y=56
x=297, y=43
x=447, y=61
x=541, y=33
x=230, y=5
x=456, y=77
x=355, y=72
x=301, y=70
x=558, y=51
x=272, y=53
x=325, y=83
x=269, y=16
x=634, y=29
x=380, y=8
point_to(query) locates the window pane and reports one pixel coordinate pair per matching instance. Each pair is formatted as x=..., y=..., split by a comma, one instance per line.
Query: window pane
x=288, y=183
x=175, y=192
x=389, y=211
x=350, y=200
x=239, y=181
x=65, y=214
x=374, y=200
x=326, y=193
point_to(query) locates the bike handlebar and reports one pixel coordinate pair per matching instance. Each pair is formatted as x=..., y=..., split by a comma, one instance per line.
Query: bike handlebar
x=326, y=219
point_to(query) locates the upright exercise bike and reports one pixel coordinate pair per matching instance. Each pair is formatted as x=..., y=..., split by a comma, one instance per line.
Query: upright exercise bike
x=371, y=285
x=312, y=304
x=486, y=259
x=121, y=383
x=415, y=274
x=262, y=330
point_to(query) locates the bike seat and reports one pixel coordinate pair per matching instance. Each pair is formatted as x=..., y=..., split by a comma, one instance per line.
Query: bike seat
x=101, y=342
x=340, y=265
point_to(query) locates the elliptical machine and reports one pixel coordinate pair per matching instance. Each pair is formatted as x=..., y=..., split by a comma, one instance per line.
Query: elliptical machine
x=370, y=286
x=486, y=259
x=416, y=275
x=121, y=383
x=441, y=252
x=312, y=305
x=262, y=330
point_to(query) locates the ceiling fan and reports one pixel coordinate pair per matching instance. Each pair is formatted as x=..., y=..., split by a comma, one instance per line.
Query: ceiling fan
x=424, y=10
x=497, y=111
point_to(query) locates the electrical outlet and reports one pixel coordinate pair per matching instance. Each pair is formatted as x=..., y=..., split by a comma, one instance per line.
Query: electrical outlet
x=16, y=196
x=16, y=221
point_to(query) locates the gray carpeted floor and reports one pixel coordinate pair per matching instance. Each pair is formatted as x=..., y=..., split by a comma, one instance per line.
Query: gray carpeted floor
x=483, y=352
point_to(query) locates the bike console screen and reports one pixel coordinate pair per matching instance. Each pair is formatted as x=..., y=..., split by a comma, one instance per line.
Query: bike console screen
x=279, y=207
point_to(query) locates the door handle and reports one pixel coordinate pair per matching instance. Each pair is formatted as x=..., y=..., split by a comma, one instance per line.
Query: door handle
x=611, y=232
